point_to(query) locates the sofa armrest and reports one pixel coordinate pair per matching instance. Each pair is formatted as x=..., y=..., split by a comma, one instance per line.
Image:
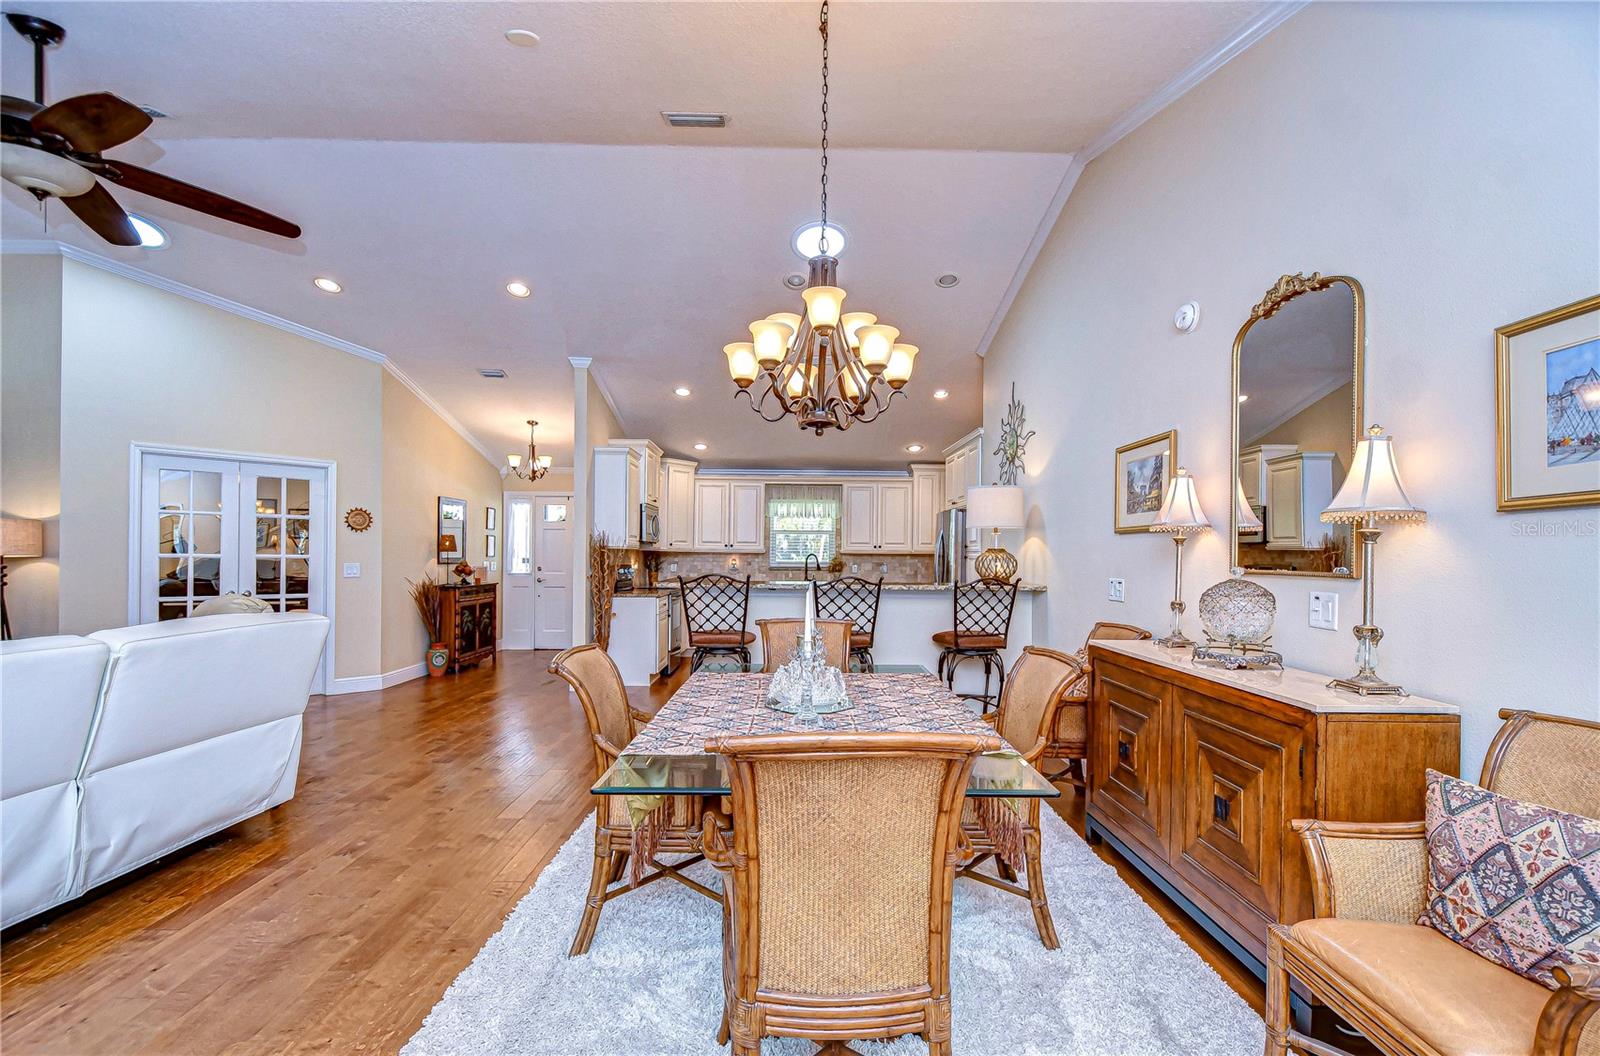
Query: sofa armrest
x=1367, y=870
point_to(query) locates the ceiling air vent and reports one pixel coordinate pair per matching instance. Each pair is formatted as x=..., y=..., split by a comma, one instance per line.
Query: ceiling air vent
x=492, y=372
x=693, y=119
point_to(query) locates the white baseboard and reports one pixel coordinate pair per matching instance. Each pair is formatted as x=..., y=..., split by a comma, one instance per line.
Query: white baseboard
x=369, y=683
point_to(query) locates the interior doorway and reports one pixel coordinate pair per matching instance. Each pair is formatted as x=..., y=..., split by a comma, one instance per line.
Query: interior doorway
x=538, y=570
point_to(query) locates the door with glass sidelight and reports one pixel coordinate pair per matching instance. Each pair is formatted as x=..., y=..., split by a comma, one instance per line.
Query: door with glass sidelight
x=209, y=526
x=538, y=571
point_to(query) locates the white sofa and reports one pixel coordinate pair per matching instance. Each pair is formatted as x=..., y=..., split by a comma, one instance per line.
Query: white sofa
x=123, y=746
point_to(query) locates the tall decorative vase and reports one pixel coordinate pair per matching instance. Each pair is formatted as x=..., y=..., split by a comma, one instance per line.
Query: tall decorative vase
x=438, y=659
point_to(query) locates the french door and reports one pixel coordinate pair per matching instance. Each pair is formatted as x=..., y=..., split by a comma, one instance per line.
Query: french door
x=538, y=571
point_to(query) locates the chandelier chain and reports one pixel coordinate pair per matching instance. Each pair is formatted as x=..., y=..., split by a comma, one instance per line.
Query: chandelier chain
x=822, y=243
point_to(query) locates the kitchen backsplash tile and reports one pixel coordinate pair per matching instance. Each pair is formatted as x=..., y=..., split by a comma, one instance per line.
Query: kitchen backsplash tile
x=901, y=568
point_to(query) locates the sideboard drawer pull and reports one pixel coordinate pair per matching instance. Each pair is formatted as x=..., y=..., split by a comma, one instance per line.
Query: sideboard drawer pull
x=1219, y=808
x=1122, y=750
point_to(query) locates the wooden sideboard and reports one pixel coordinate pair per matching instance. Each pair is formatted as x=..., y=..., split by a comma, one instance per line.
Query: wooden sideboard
x=469, y=615
x=1195, y=773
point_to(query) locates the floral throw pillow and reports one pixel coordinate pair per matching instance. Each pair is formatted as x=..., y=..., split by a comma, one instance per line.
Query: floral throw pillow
x=1515, y=882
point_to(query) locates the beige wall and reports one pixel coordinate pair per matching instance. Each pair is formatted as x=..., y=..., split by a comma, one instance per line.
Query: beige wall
x=1323, y=426
x=423, y=458
x=30, y=431
x=557, y=480
x=1446, y=156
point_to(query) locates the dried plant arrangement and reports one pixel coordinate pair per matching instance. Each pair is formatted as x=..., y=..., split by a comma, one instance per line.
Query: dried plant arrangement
x=602, y=585
x=425, y=596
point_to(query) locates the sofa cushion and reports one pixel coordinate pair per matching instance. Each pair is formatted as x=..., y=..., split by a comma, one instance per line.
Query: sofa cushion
x=48, y=691
x=231, y=604
x=1456, y=1001
x=1517, y=883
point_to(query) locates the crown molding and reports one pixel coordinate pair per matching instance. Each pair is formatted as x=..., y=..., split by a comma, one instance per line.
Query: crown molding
x=46, y=247
x=1242, y=38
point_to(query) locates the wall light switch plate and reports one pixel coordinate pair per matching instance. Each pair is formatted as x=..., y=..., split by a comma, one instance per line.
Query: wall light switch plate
x=854, y=569
x=1324, y=610
x=352, y=570
x=672, y=566
x=1114, y=590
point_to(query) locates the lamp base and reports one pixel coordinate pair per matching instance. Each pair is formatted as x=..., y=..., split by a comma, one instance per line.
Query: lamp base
x=1176, y=640
x=1367, y=685
x=996, y=565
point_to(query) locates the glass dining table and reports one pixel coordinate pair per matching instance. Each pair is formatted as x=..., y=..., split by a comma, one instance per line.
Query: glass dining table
x=667, y=756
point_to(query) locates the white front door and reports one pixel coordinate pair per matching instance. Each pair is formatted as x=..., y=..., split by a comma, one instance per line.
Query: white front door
x=517, y=624
x=552, y=572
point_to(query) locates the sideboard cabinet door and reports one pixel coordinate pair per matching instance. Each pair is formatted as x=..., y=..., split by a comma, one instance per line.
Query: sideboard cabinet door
x=1129, y=763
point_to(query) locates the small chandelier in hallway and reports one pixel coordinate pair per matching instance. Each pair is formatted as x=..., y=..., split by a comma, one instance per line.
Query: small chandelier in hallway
x=828, y=368
x=538, y=465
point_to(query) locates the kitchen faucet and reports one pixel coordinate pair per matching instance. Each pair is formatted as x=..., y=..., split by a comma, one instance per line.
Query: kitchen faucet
x=809, y=559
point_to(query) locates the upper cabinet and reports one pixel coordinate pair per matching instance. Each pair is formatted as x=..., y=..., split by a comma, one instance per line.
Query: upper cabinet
x=1253, y=469
x=649, y=467
x=618, y=492
x=878, y=517
x=677, y=504
x=728, y=516
x=1299, y=488
x=963, y=468
x=927, y=502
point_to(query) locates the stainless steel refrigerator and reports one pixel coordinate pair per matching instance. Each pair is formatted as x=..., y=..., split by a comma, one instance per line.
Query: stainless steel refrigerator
x=952, y=558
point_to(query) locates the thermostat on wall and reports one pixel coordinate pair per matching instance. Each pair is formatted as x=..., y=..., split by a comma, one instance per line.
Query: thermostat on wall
x=1187, y=317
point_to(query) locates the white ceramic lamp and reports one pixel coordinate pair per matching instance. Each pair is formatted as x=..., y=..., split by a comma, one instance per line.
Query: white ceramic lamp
x=1180, y=517
x=997, y=507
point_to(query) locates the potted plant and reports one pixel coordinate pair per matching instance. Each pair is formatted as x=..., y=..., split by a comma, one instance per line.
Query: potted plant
x=425, y=596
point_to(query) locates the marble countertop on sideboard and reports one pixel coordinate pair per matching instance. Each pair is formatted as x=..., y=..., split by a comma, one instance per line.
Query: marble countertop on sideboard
x=1302, y=689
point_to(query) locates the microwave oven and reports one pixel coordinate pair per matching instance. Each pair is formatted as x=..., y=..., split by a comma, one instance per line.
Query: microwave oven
x=649, y=524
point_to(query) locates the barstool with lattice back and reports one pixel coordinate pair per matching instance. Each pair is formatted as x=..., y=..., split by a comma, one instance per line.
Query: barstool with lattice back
x=979, y=631
x=714, y=608
x=855, y=599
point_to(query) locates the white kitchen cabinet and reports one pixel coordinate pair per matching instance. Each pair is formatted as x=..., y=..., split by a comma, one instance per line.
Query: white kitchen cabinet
x=730, y=515
x=618, y=492
x=640, y=636
x=1299, y=488
x=877, y=518
x=927, y=502
x=649, y=467
x=963, y=468
x=859, y=530
x=894, y=517
x=677, y=505
x=1253, y=469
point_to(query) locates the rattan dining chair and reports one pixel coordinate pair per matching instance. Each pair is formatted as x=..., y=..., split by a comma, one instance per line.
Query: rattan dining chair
x=780, y=639
x=1039, y=680
x=855, y=599
x=837, y=880
x=1069, y=738
x=980, y=625
x=715, y=608
x=612, y=724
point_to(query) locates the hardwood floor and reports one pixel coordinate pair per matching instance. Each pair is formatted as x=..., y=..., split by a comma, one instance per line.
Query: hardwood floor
x=334, y=922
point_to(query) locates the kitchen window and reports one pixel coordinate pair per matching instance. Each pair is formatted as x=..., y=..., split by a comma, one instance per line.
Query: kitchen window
x=802, y=519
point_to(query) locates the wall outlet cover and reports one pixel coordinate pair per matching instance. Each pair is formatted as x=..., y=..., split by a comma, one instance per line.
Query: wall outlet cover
x=352, y=570
x=1115, y=590
x=1324, y=613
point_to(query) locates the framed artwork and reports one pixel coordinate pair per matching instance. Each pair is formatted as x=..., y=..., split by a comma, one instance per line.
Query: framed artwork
x=1142, y=471
x=491, y=519
x=1547, y=409
x=488, y=546
x=452, y=529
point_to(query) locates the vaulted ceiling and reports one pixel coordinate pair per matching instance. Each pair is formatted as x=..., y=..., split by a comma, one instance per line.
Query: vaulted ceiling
x=430, y=162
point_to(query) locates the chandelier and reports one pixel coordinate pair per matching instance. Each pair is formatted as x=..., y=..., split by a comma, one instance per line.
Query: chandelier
x=538, y=465
x=828, y=368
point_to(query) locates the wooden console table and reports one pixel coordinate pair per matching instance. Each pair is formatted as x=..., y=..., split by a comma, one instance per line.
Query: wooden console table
x=1196, y=772
x=470, y=615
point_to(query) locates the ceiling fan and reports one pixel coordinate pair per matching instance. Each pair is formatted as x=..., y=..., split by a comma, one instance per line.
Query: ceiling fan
x=55, y=152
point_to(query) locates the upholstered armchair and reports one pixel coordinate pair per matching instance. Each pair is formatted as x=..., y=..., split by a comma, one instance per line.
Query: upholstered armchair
x=1069, y=736
x=612, y=724
x=839, y=928
x=1408, y=988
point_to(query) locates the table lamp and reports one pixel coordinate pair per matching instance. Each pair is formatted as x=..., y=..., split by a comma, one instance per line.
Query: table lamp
x=1180, y=517
x=997, y=507
x=1372, y=493
x=19, y=537
x=1248, y=521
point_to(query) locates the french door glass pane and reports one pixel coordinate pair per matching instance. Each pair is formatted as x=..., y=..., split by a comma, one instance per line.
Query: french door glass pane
x=266, y=576
x=298, y=532
x=267, y=535
x=207, y=496
x=296, y=605
x=174, y=534
x=207, y=529
x=174, y=489
x=268, y=493
x=298, y=497
x=207, y=577
x=519, y=538
x=172, y=610
x=296, y=576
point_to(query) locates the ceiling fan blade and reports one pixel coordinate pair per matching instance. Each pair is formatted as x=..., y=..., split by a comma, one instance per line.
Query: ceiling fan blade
x=92, y=123
x=198, y=198
x=102, y=215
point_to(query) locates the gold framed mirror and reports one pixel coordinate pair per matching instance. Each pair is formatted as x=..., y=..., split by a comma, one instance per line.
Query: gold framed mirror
x=1298, y=381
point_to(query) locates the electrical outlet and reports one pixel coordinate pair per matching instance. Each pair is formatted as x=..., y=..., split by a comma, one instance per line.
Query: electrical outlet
x=1324, y=610
x=1114, y=590
x=672, y=566
x=352, y=570
x=883, y=566
x=854, y=569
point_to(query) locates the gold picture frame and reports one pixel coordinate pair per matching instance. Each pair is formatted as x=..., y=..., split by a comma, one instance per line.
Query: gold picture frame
x=1573, y=337
x=1137, y=486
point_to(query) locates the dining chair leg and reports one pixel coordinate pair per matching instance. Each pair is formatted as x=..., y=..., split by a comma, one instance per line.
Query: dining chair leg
x=619, y=862
x=598, y=875
x=1036, y=895
x=1277, y=1010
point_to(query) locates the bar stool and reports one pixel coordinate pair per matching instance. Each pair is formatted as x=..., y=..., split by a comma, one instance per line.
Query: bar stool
x=855, y=599
x=714, y=608
x=979, y=631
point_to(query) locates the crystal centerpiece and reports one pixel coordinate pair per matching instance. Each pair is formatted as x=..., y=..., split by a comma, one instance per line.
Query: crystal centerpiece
x=808, y=685
x=1237, y=616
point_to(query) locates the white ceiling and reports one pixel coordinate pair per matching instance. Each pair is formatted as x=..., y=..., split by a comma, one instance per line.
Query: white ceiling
x=429, y=162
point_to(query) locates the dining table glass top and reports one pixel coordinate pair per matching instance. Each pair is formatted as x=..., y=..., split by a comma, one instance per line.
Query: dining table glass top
x=667, y=756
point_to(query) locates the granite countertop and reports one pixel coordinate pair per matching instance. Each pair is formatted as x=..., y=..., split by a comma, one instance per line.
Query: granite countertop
x=778, y=585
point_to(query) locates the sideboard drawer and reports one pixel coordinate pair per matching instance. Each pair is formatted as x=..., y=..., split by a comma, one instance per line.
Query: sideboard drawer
x=1130, y=749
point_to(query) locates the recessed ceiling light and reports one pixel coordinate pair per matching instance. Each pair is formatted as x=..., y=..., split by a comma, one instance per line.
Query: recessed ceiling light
x=1243, y=397
x=795, y=281
x=699, y=447
x=519, y=289
x=681, y=390
x=913, y=448
x=522, y=38
x=150, y=236
x=807, y=241
x=941, y=394
x=947, y=280
x=326, y=285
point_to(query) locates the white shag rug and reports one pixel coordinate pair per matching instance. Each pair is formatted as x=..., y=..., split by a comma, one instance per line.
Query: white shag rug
x=1122, y=983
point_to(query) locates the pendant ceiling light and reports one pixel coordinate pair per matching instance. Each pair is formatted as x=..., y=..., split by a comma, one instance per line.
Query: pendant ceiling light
x=537, y=465
x=828, y=368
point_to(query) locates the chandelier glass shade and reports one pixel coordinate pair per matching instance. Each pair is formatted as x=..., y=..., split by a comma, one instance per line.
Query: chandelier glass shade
x=826, y=368
x=537, y=465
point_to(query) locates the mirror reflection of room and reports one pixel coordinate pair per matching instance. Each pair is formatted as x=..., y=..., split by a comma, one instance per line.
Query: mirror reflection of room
x=1297, y=420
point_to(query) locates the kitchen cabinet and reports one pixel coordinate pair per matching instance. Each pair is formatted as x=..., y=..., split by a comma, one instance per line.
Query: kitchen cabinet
x=963, y=468
x=649, y=467
x=618, y=494
x=729, y=515
x=927, y=502
x=1299, y=488
x=640, y=637
x=877, y=517
x=677, y=505
x=1253, y=469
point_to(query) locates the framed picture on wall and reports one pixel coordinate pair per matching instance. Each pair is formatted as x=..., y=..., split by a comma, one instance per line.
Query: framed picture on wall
x=1142, y=471
x=1547, y=409
x=488, y=546
x=491, y=520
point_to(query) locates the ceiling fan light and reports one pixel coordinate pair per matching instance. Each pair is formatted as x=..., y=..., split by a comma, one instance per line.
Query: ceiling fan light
x=771, y=340
x=823, y=305
x=901, y=358
x=853, y=322
x=741, y=362
x=877, y=345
